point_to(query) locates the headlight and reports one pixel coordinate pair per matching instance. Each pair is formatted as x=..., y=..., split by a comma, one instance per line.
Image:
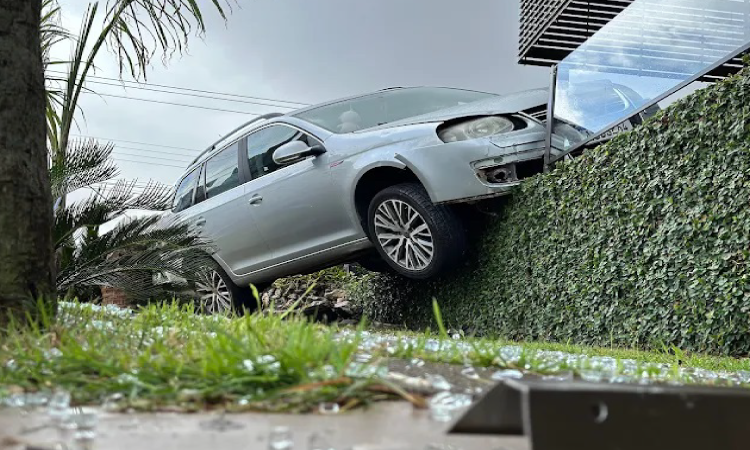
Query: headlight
x=475, y=128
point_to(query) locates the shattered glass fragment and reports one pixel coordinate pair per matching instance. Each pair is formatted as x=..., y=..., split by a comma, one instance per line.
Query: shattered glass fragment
x=85, y=430
x=446, y=405
x=438, y=382
x=510, y=353
x=594, y=376
x=470, y=373
x=416, y=362
x=280, y=438
x=328, y=408
x=507, y=374
x=560, y=376
x=113, y=402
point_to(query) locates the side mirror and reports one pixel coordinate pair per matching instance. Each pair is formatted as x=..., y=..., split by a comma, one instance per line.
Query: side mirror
x=296, y=151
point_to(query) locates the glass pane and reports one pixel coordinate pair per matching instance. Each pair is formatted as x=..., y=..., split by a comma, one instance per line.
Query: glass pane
x=388, y=106
x=649, y=49
x=262, y=144
x=222, y=172
x=184, y=195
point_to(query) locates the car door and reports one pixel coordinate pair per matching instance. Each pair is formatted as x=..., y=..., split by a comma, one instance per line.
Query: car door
x=292, y=204
x=223, y=216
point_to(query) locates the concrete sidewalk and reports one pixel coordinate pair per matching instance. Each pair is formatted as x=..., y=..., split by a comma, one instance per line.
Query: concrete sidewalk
x=384, y=426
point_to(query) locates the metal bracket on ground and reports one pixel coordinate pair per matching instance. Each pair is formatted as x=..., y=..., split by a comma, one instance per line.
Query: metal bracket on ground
x=596, y=416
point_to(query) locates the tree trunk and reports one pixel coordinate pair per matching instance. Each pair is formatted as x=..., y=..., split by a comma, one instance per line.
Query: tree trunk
x=26, y=265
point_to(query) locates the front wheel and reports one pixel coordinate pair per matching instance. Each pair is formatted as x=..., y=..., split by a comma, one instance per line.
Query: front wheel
x=417, y=238
x=217, y=293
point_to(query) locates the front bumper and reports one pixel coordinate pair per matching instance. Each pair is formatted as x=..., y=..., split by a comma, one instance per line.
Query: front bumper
x=457, y=172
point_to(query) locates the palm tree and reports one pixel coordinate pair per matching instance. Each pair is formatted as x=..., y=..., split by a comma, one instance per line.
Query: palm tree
x=136, y=31
x=128, y=256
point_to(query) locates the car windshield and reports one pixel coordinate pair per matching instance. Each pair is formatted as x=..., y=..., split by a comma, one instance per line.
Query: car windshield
x=386, y=107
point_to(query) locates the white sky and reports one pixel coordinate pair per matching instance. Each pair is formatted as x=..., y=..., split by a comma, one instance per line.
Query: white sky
x=302, y=51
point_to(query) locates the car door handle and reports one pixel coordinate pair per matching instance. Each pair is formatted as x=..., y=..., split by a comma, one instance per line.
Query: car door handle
x=200, y=222
x=255, y=200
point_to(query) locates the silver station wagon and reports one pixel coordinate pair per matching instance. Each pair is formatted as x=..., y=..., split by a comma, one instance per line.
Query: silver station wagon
x=372, y=179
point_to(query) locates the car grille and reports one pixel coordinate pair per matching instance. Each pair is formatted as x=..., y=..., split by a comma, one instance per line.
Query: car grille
x=538, y=112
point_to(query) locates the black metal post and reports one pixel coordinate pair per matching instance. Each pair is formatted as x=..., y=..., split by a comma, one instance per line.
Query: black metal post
x=550, y=119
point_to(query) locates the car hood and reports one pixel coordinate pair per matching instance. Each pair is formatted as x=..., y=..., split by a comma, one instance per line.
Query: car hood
x=500, y=104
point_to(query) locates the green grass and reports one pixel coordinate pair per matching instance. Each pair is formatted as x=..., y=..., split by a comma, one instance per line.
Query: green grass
x=167, y=357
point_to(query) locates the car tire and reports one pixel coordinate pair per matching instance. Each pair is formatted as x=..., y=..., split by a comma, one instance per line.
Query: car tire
x=217, y=294
x=417, y=238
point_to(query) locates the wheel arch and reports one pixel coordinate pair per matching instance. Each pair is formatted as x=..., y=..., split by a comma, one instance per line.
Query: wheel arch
x=374, y=180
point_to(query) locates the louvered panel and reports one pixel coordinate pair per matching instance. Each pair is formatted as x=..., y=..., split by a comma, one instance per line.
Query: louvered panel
x=536, y=16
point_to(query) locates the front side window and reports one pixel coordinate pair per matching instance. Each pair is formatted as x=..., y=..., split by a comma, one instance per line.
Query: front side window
x=222, y=172
x=184, y=196
x=262, y=144
x=388, y=106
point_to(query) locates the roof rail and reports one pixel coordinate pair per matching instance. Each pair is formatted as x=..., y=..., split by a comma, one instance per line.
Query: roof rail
x=250, y=122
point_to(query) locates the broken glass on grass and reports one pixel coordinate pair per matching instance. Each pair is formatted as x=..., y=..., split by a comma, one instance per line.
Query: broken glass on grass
x=514, y=360
x=510, y=360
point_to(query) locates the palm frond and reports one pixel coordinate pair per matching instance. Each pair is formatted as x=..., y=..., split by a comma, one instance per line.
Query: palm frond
x=129, y=256
x=101, y=207
x=51, y=30
x=143, y=28
x=135, y=30
x=154, y=197
x=52, y=33
x=87, y=162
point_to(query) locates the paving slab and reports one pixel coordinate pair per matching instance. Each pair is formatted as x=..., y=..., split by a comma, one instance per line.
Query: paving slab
x=383, y=426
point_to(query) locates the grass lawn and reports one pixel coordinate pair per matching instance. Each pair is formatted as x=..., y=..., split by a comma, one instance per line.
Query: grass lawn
x=167, y=357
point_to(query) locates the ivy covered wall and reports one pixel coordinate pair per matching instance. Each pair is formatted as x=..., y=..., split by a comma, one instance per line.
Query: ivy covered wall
x=644, y=241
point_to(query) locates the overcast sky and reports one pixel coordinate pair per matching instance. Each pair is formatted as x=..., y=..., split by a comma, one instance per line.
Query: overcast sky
x=302, y=51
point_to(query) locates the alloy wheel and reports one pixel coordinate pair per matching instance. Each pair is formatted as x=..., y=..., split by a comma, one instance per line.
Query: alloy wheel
x=404, y=235
x=213, y=293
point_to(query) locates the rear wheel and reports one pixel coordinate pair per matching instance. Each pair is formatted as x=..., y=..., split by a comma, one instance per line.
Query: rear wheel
x=217, y=294
x=417, y=238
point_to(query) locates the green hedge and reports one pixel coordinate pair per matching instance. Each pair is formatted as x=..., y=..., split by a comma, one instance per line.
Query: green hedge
x=644, y=241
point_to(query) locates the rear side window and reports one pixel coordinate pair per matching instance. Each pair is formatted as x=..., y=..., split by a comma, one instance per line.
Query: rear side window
x=222, y=172
x=184, y=196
